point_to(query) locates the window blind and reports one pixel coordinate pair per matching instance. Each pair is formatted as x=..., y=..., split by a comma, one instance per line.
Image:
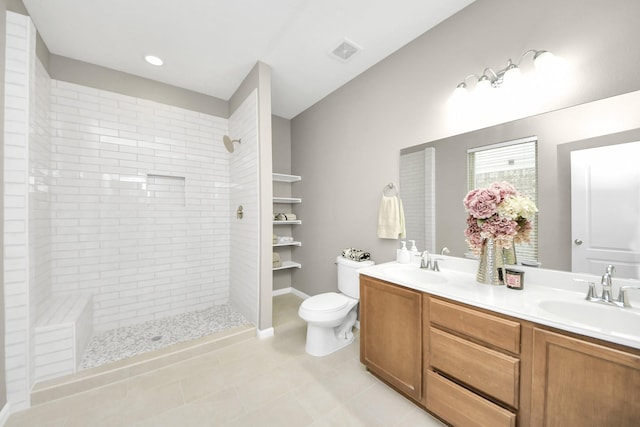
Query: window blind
x=516, y=163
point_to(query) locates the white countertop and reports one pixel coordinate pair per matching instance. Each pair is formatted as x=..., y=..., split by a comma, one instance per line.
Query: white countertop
x=549, y=297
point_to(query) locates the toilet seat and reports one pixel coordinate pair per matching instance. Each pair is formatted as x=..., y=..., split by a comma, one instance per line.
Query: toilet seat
x=327, y=302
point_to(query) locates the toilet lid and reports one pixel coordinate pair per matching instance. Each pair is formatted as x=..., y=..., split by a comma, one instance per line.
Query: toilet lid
x=329, y=301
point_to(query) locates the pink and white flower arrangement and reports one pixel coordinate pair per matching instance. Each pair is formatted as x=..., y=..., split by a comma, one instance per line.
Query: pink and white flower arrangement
x=500, y=213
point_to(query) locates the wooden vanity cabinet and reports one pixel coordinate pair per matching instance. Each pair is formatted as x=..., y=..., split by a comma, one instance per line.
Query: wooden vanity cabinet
x=580, y=383
x=472, y=365
x=391, y=334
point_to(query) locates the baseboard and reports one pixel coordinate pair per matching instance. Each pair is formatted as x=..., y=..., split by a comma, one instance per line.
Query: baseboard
x=264, y=333
x=294, y=291
x=299, y=294
x=4, y=414
x=283, y=291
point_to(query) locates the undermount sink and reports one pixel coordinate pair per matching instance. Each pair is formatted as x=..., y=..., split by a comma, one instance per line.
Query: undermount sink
x=412, y=274
x=606, y=317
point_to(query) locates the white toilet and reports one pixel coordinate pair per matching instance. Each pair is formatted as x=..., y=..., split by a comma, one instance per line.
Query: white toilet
x=331, y=315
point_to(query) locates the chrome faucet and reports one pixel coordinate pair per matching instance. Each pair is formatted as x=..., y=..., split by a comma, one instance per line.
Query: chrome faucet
x=606, y=284
x=429, y=262
x=425, y=261
x=623, y=297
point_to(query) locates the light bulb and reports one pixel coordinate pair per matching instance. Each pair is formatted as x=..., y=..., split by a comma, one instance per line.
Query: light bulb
x=545, y=62
x=512, y=75
x=484, y=85
x=460, y=91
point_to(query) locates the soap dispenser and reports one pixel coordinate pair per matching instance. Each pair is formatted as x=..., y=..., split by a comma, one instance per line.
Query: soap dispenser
x=414, y=255
x=404, y=257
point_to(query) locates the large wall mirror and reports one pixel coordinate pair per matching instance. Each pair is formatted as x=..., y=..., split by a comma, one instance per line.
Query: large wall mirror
x=440, y=220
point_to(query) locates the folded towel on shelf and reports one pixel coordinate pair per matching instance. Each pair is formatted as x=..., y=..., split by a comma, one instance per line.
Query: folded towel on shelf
x=391, y=218
x=285, y=239
x=276, y=260
x=356, y=254
x=284, y=217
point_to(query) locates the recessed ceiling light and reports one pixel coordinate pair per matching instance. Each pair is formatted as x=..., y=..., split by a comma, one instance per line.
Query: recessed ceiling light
x=154, y=60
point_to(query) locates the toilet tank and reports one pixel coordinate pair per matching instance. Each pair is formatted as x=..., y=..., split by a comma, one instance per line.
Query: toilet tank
x=348, y=277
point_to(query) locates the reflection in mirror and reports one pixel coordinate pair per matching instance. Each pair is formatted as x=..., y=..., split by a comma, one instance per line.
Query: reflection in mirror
x=515, y=163
x=601, y=123
x=417, y=182
x=606, y=209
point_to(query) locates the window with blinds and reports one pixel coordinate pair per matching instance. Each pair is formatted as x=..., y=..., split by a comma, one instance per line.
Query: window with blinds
x=514, y=162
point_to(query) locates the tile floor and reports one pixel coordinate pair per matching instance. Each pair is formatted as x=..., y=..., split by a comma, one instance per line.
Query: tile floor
x=270, y=382
x=127, y=341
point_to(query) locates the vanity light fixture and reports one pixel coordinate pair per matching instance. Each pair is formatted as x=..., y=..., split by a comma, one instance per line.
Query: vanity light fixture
x=154, y=60
x=544, y=61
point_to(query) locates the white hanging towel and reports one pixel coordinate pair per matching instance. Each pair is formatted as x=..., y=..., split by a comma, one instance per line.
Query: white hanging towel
x=391, y=218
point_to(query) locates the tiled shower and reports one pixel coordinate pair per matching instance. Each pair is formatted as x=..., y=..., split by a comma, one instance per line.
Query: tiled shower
x=118, y=210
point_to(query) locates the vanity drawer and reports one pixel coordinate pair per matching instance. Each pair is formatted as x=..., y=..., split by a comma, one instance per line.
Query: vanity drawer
x=489, y=371
x=462, y=408
x=493, y=330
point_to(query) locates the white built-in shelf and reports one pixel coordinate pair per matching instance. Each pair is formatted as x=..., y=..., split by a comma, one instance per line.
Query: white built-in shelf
x=281, y=177
x=288, y=264
x=275, y=245
x=286, y=178
x=287, y=200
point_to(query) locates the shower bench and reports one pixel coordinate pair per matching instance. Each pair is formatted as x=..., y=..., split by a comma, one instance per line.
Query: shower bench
x=63, y=329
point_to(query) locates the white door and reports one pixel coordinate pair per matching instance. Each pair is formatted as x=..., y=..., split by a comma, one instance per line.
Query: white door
x=605, y=209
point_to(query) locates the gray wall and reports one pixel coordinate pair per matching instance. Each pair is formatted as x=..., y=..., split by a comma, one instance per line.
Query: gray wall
x=347, y=146
x=95, y=76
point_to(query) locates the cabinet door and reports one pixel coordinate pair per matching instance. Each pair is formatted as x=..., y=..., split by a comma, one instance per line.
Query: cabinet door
x=391, y=334
x=577, y=383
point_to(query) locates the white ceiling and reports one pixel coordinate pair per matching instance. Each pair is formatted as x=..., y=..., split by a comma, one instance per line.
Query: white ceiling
x=209, y=46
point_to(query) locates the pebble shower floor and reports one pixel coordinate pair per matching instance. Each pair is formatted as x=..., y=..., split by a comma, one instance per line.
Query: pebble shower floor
x=128, y=341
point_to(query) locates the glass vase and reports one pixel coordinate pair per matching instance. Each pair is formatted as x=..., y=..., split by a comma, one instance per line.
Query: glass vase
x=492, y=262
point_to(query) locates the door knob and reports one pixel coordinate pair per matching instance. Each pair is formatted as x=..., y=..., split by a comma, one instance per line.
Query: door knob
x=577, y=242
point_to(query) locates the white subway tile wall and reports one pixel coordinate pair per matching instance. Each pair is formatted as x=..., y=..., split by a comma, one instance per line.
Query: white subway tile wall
x=140, y=204
x=244, y=249
x=19, y=293
x=39, y=213
x=118, y=197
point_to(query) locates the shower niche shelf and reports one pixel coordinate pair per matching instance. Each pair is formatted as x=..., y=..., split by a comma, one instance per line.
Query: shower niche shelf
x=285, y=249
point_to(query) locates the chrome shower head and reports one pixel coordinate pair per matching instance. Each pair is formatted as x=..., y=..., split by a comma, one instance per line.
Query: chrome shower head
x=228, y=142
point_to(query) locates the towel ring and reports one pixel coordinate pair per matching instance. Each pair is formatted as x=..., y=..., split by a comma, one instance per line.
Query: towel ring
x=390, y=190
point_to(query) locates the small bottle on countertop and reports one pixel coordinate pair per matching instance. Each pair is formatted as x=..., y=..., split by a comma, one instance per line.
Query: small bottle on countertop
x=403, y=256
x=414, y=255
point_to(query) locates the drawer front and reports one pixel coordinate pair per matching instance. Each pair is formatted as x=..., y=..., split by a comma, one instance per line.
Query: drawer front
x=493, y=330
x=462, y=408
x=486, y=370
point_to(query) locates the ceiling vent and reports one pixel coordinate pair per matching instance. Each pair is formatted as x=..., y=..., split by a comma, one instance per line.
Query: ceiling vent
x=345, y=50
